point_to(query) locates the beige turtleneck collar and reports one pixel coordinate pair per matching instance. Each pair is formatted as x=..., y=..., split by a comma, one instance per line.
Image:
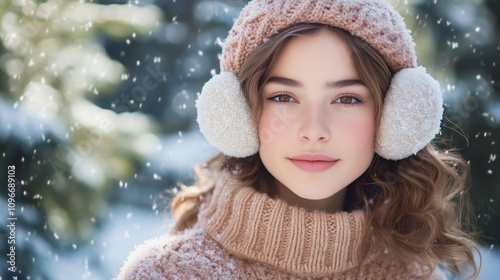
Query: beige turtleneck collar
x=250, y=225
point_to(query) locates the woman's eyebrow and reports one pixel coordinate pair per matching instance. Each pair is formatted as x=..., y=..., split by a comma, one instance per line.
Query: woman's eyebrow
x=284, y=81
x=330, y=84
x=344, y=83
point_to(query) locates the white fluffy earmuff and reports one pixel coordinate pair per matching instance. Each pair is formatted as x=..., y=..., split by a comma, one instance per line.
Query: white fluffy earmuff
x=411, y=115
x=224, y=117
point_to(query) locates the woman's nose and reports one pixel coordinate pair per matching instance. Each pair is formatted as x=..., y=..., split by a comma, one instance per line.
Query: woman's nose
x=314, y=126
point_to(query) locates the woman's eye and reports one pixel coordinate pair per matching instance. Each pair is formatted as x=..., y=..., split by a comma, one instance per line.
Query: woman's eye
x=282, y=98
x=347, y=100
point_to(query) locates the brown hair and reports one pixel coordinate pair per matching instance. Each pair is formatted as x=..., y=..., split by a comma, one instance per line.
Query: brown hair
x=415, y=207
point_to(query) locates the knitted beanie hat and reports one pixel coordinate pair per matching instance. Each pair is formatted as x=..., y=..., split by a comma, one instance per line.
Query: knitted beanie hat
x=412, y=109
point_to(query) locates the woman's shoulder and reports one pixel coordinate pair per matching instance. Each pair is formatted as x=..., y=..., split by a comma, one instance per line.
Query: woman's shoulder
x=191, y=253
x=420, y=271
x=399, y=269
x=382, y=264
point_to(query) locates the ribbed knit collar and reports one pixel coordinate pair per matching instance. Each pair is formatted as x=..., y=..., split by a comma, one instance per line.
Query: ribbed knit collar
x=250, y=225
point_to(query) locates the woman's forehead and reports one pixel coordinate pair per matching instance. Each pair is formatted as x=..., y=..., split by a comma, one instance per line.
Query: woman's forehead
x=319, y=56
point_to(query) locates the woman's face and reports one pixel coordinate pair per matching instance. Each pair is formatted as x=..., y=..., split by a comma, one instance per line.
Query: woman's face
x=317, y=129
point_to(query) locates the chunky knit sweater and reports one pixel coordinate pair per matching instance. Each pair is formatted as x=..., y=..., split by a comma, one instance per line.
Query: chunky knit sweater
x=243, y=234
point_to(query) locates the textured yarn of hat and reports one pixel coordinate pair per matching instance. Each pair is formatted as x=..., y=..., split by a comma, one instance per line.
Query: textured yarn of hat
x=374, y=21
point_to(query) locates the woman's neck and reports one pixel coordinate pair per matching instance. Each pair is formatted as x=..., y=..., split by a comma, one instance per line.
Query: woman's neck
x=330, y=204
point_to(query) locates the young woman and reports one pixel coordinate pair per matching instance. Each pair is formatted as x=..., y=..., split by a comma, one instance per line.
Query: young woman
x=326, y=169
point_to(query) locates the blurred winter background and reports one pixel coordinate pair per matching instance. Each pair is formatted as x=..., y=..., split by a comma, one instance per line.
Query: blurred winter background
x=97, y=115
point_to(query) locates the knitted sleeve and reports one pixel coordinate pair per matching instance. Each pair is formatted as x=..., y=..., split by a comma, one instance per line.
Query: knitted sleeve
x=192, y=254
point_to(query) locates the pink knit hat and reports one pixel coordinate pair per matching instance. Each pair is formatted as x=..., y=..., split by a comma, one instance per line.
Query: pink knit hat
x=373, y=21
x=412, y=109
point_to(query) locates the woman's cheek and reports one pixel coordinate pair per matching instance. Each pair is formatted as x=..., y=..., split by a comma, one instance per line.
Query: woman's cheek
x=274, y=121
x=269, y=128
x=357, y=130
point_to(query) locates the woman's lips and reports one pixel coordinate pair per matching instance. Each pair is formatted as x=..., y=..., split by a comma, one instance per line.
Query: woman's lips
x=313, y=162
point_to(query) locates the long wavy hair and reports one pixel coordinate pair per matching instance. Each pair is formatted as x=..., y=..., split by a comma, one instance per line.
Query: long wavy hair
x=417, y=207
